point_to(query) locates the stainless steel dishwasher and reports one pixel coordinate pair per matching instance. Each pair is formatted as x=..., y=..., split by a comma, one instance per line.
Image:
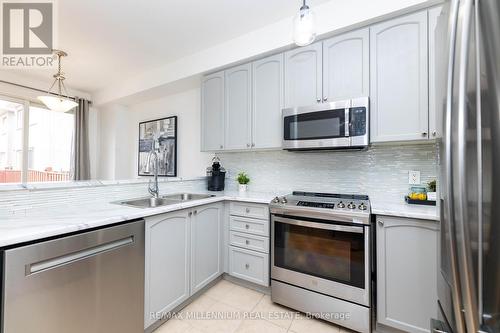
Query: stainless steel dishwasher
x=88, y=282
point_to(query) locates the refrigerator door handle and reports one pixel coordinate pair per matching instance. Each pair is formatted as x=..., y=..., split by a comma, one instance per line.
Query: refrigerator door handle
x=468, y=288
x=448, y=154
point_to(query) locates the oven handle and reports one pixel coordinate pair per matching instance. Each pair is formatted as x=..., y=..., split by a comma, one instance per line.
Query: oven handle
x=316, y=225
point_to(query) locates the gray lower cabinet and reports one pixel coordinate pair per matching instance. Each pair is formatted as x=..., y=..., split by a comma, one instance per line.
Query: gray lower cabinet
x=399, y=79
x=206, y=245
x=183, y=254
x=248, y=242
x=167, y=263
x=303, y=75
x=406, y=273
x=212, y=112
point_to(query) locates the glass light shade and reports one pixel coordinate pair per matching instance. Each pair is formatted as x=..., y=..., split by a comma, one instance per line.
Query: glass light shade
x=56, y=103
x=304, y=27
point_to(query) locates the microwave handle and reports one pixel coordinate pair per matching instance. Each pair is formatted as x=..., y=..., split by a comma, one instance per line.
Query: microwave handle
x=346, y=122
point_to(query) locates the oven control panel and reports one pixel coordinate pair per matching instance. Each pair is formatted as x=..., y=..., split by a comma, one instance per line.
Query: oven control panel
x=316, y=204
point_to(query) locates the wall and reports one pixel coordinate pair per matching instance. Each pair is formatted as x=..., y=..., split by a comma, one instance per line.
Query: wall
x=381, y=171
x=120, y=131
x=332, y=17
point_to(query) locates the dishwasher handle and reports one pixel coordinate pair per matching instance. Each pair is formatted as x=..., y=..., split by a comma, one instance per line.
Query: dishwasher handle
x=69, y=258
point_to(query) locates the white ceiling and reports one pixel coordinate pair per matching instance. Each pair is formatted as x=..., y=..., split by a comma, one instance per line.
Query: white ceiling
x=111, y=40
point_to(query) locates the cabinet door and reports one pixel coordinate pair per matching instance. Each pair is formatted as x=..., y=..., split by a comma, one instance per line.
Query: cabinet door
x=166, y=264
x=346, y=61
x=399, y=79
x=206, y=248
x=267, y=102
x=238, y=82
x=406, y=273
x=434, y=106
x=303, y=75
x=212, y=112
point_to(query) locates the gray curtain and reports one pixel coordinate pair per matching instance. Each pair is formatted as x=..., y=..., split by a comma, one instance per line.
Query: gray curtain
x=80, y=160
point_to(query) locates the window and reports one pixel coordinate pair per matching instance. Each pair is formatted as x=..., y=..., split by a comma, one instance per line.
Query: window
x=46, y=154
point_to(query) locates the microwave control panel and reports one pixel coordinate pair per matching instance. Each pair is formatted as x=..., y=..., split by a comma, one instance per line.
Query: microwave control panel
x=357, y=121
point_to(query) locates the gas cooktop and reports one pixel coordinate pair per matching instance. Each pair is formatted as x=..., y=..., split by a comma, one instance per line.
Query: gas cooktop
x=339, y=207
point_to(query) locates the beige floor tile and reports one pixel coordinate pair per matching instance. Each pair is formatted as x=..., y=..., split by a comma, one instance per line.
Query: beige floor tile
x=259, y=326
x=219, y=318
x=242, y=298
x=274, y=313
x=221, y=289
x=302, y=324
x=174, y=326
x=200, y=304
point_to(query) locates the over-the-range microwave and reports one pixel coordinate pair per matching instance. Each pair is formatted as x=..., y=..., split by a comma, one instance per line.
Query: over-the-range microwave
x=335, y=125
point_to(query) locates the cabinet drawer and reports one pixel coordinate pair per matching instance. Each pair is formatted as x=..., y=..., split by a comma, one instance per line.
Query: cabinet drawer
x=250, y=242
x=256, y=211
x=249, y=265
x=251, y=226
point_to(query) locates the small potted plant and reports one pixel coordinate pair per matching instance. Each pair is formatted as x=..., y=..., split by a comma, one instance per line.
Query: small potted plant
x=243, y=181
x=431, y=190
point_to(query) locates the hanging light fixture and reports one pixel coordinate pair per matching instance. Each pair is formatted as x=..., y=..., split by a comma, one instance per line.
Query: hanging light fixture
x=304, y=26
x=58, y=102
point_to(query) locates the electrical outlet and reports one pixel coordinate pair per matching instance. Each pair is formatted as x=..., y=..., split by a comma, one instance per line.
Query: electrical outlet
x=414, y=177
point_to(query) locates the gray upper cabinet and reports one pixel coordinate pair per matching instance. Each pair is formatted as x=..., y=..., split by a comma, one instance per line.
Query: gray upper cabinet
x=406, y=273
x=206, y=245
x=212, y=112
x=267, y=102
x=346, y=66
x=238, y=94
x=167, y=263
x=399, y=79
x=303, y=75
x=434, y=105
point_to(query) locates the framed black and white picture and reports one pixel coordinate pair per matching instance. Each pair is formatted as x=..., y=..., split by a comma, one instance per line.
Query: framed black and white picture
x=165, y=131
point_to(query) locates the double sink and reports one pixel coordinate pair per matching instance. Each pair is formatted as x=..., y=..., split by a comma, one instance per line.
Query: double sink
x=170, y=199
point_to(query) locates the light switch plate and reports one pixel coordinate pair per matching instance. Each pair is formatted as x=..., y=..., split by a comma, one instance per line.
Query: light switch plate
x=414, y=177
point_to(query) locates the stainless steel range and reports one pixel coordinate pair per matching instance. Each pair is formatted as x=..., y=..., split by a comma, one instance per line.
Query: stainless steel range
x=321, y=256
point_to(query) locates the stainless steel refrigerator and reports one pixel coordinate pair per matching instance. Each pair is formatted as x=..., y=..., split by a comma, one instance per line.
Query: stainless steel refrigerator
x=468, y=90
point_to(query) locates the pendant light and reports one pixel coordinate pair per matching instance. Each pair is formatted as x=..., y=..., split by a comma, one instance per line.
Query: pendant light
x=58, y=102
x=304, y=26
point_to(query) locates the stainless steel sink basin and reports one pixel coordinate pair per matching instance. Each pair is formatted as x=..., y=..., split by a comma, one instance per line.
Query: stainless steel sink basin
x=147, y=202
x=187, y=196
x=170, y=199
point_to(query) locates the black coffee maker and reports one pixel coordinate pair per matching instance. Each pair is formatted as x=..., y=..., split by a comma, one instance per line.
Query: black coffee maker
x=216, y=176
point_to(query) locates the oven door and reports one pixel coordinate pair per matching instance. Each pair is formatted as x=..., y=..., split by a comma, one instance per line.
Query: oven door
x=318, y=126
x=329, y=258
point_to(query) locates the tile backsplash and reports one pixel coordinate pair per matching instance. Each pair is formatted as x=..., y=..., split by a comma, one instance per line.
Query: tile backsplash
x=380, y=171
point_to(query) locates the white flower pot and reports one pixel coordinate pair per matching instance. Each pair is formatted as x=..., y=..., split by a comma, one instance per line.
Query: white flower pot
x=242, y=187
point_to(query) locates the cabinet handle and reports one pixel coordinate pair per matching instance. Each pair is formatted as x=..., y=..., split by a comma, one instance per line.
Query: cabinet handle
x=253, y=144
x=195, y=212
x=380, y=223
x=221, y=146
x=247, y=266
x=424, y=133
x=247, y=210
x=325, y=99
x=190, y=214
x=248, y=145
x=434, y=133
x=247, y=226
x=247, y=242
x=318, y=100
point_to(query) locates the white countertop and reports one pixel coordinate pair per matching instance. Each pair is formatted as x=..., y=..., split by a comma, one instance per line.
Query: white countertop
x=403, y=209
x=35, y=224
x=56, y=215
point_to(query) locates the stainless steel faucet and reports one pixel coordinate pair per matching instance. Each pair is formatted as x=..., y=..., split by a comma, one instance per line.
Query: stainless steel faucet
x=153, y=188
